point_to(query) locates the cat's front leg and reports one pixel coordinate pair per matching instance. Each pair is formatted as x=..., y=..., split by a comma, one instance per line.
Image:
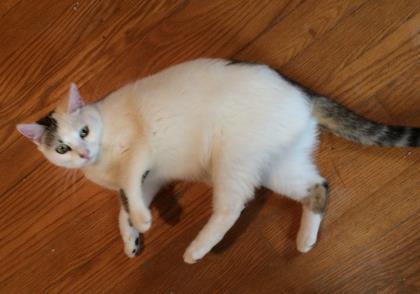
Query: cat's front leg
x=132, y=196
x=130, y=236
x=138, y=212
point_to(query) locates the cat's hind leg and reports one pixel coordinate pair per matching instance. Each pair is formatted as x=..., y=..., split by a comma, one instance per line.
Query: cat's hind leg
x=304, y=184
x=314, y=205
x=293, y=174
x=225, y=213
x=233, y=186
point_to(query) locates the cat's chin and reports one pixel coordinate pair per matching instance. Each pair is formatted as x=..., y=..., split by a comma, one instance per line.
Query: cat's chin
x=90, y=161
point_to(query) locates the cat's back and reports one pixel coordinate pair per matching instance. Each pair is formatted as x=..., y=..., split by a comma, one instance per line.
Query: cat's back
x=210, y=91
x=207, y=86
x=206, y=80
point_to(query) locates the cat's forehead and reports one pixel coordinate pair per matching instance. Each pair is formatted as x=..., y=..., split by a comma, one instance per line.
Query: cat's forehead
x=67, y=121
x=58, y=125
x=50, y=124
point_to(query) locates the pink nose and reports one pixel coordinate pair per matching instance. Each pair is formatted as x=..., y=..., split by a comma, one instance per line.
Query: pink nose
x=84, y=153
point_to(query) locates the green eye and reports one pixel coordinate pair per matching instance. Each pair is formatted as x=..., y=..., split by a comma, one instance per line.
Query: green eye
x=62, y=148
x=84, y=132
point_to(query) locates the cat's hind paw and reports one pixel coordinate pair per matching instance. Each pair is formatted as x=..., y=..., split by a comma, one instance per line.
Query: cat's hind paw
x=194, y=253
x=188, y=258
x=305, y=241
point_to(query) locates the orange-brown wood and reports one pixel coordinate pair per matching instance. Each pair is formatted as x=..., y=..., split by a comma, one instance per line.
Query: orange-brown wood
x=59, y=233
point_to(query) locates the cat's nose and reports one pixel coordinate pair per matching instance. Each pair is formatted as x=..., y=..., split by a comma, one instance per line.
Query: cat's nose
x=84, y=153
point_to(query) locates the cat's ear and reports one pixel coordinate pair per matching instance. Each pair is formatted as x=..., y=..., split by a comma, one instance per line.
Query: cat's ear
x=31, y=131
x=75, y=100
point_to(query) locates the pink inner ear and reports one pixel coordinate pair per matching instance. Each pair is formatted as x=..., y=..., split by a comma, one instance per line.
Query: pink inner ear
x=75, y=100
x=31, y=131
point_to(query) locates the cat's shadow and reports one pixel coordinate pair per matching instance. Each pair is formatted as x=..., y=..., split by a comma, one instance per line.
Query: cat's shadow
x=166, y=203
x=169, y=209
x=248, y=215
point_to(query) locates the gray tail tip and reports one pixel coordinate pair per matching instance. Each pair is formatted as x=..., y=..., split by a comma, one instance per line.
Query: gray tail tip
x=414, y=138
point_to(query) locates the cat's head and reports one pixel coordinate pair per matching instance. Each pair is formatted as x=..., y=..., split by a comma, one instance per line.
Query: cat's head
x=70, y=135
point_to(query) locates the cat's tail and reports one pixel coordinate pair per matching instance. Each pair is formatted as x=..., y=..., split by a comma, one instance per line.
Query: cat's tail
x=351, y=126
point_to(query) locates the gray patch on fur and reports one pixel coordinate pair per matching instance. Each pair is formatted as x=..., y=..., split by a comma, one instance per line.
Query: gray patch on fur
x=143, y=178
x=414, y=137
x=317, y=200
x=124, y=201
x=139, y=242
x=240, y=62
x=51, y=126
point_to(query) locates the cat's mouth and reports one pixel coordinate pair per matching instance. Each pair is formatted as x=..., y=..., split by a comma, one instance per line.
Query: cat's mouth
x=87, y=159
x=90, y=160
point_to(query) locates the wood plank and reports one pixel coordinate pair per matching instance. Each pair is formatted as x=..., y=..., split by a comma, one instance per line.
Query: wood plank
x=7, y=5
x=298, y=30
x=368, y=27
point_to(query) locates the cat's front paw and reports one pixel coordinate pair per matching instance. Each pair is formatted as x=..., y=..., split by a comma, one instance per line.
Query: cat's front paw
x=142, y=221
x=133, y=246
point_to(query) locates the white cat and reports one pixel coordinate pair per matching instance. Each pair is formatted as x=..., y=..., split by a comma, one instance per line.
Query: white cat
x=237, y=126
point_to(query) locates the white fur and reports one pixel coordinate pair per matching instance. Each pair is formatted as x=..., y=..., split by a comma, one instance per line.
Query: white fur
x=308, y=232
x=128, y=233
x=237, y=127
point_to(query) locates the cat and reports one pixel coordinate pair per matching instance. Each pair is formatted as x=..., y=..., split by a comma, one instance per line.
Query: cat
x=234, y=125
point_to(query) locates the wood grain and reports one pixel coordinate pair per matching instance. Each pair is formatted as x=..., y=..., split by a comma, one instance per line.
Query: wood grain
x=6, y=5
x=59, y=233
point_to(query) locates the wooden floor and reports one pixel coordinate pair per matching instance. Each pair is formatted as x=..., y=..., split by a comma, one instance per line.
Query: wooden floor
x=58, y=232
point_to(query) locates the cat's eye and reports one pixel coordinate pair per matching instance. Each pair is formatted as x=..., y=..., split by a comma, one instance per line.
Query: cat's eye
x=62, y=148
x=84, y=132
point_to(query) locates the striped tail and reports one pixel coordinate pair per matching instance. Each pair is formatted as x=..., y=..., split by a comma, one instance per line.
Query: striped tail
x=351, y=126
